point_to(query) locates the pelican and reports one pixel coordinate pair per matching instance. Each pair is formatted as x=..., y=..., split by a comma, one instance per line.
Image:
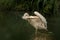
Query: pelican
x=38, y=21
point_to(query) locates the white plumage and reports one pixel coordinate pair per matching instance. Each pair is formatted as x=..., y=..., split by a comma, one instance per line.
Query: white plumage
x=42, y=18
x=38, y=21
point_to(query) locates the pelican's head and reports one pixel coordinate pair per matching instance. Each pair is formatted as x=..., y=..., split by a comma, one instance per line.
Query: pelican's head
x=25, y=16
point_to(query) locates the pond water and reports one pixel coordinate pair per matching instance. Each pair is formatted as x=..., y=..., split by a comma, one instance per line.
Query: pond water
x=13, y=27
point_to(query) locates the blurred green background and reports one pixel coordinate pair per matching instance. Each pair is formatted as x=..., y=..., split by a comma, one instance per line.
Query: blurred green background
x=13, y=27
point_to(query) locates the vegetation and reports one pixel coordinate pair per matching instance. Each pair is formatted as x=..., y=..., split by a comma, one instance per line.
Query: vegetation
x=12, y=27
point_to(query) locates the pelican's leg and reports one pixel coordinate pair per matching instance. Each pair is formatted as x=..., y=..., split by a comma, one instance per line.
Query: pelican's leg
x=36, y=32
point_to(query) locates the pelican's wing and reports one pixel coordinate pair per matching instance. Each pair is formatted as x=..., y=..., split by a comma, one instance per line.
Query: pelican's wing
x=40, y=16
